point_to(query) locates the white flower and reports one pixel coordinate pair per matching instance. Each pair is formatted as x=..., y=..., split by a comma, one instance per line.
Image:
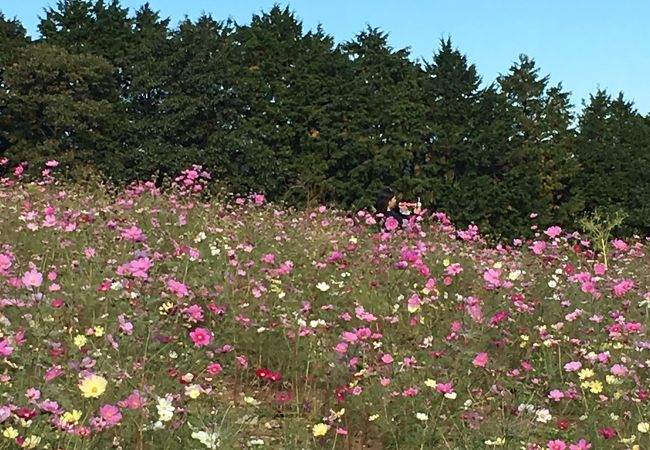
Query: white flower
x=165, y=409
x=422, y=416
x=543, y=415
x=552, y=284
x=210, y=440
x=323, y=287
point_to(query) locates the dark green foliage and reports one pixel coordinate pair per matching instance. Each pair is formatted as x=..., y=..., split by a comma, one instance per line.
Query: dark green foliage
x=614, y=150
x=270, y=107
x=58, y=105
x=13, y=37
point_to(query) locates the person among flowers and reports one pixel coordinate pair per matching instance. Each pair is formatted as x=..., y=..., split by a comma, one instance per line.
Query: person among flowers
x=388, y=207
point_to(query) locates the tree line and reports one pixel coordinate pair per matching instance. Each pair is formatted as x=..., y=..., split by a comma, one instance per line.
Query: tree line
x=269, y=107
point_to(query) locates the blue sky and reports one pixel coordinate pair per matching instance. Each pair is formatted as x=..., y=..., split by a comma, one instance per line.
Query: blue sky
x=585, y=44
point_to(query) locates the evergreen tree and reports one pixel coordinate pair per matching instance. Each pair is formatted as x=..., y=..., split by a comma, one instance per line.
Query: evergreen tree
x=144, y=90
x=13, y=37
x=201, y=105
x=382, y=112
x=270, y=50
x=448, y=158
x=613, y=148
x=84, y=26
x=540, y=145
x=60, y=106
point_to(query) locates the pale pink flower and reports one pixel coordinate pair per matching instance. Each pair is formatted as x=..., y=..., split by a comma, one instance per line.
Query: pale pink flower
x=33, y=278
x=573, y=366
x=556, y=395
x=553, y=231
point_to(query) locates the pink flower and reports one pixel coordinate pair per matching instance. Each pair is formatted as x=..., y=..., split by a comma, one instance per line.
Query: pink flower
x=553, y=231
x=623, y=287
x=349, y=337
x=492, y=277
x=133, y=401
x=111, y=414
x=386, y=358
x=619, y=370
x=557, y=444
x=600, y=269
x=444, y=388
x=538, y=247
x=5, y=262
x=52, y=163
x=214, y=368
x=133, y=234
x=556, y=395
x=392, y=223
x=5, y=348
x=341, y=347
x=127, y=327
x=481, y=360
x=52, y=373
x=619, y=245
x=241, y=360
x=33, y=278
x=581, y=445
x=201, y=337
x=177, y=288
x=573, y=366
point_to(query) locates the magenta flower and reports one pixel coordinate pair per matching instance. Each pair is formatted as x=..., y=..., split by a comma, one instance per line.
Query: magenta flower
x=201, y=337
x=177, y=288
x=111, y=414
x=557, y=444
x=214, y=368
x=5, y=348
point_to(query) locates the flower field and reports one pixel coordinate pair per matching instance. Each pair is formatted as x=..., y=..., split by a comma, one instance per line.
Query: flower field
x=168, y=319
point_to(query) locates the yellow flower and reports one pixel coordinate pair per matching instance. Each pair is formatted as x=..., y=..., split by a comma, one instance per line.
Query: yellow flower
x=596, y=387
x=165, y=308
x=31, y=442
x=193, y=392
x=251, y=401
x=80, y=340
x=611, y=379
x=643, y=427
x=586, y=373
x=71, y=417
x=431, y=383
x=93, y=386
x=99, y=331
x=10, y=433
x=320, y=429
x=373, y=417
